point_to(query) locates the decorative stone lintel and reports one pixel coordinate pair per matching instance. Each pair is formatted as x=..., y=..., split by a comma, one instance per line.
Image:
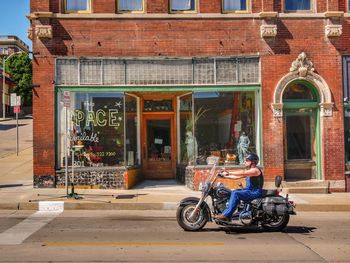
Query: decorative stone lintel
x=265, y=15
x=40, y=14
x=277, y=110
x=333, y=30
x=333, y=14
x=268, y=30
x=326, y=109
x=43, y=31
x=30, y=33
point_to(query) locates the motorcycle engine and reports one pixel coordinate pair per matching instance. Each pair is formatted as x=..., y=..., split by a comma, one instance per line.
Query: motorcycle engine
x=246, y=217
x=221, y=196
x=221, y=205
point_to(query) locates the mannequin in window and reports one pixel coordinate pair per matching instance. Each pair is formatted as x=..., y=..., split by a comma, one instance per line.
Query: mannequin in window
x=242, y=147
x=191, y=146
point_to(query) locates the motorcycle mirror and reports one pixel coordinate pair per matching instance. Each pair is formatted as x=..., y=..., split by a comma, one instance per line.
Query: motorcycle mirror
x=278, y=181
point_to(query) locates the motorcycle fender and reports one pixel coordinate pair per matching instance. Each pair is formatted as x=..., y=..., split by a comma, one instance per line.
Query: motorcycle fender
x=195, y=200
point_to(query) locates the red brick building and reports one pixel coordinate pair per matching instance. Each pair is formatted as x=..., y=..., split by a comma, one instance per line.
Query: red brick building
x=156, y=87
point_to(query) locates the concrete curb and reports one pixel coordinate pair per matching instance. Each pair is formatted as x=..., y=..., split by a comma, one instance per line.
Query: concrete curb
x=71, y=205
x=93, y=206
x=323, y=207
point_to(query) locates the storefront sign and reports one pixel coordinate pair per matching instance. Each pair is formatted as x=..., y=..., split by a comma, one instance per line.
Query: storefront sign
x=100, y=118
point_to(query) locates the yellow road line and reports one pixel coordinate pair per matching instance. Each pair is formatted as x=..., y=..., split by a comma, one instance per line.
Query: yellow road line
x=134, y=244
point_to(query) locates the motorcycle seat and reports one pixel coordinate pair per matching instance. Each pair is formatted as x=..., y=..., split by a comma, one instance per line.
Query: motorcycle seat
x=267, y=193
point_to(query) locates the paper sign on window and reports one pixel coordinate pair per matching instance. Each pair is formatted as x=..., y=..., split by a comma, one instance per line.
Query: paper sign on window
x=158, y=141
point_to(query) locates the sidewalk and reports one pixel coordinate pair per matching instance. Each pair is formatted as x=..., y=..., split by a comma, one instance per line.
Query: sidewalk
x=17, y=192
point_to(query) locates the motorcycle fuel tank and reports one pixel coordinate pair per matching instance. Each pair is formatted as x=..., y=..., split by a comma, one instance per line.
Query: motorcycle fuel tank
x=222, y=191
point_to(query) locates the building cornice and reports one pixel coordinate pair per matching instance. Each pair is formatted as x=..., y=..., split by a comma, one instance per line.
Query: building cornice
x=261, y=15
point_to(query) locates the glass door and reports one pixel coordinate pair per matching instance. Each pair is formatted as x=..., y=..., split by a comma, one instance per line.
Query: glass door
x=158, y=152
x=300, y=144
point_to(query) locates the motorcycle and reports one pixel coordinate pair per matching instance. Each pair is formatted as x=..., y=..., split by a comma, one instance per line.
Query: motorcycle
x=271, y=211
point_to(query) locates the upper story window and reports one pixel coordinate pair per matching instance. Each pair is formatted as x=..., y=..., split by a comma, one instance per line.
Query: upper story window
x=183, y=6
x=297, y=5
x=234, y=6
x=134, y=6
x=78, y=6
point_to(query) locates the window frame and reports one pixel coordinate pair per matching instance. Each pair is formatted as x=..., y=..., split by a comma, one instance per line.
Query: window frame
x=66, y=11
x=195, y=11
x=311, y=10
x=131, y=11
x=248, y=3
x=346, y=78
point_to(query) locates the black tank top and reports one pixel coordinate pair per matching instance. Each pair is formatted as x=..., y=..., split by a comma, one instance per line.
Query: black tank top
x=257, y=181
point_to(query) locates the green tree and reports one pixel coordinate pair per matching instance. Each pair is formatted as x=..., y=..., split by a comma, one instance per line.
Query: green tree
x=20, y=68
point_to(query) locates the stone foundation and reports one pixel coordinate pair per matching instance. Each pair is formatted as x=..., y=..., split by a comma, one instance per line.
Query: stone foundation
x=44, y=181
x=108, y=178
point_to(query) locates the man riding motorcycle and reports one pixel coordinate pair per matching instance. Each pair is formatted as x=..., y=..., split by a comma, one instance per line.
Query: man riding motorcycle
x=253, y=189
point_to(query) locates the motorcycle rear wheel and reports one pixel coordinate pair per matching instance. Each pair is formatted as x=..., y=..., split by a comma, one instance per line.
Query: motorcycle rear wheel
x=277, y=224
x=195, y=224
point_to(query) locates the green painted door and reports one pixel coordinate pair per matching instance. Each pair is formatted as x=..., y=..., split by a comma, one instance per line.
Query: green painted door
x=301, y=147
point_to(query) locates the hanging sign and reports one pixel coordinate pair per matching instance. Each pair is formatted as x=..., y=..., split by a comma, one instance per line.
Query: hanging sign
x=66, y=99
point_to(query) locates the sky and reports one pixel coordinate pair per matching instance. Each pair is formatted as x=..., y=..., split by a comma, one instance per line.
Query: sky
x=13, y=20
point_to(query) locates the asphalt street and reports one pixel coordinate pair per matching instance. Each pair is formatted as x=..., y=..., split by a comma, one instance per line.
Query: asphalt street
x=154, y=236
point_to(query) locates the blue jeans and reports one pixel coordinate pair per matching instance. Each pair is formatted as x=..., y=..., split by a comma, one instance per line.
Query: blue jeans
x=244, y=194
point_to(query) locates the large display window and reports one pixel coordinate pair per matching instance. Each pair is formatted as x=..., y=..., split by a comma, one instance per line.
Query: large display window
x=221, y=124
x=101, y=130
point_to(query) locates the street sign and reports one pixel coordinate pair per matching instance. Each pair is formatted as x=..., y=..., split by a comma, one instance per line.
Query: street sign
x=18, y=103
x=13, y=99
x=66, y=99
x=17, y=109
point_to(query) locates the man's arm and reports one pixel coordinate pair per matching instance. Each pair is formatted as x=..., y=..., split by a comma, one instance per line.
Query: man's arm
x=243, y=173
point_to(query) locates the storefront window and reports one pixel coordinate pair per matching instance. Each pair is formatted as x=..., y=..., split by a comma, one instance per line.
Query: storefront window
x=131, y=130
x=95, y=129
x=188, y=147
x=224, y=126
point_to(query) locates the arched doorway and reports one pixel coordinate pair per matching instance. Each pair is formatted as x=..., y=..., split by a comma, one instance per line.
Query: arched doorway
x=301, y=131
x=305, y=99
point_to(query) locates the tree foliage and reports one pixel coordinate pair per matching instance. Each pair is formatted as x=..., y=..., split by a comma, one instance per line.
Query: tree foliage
x=20, y=68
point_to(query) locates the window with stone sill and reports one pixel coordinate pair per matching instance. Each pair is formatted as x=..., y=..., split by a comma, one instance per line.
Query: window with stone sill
x=183, y=6
x=77, y=6
x=130, y=6
x=297, y=5
x=235, y=6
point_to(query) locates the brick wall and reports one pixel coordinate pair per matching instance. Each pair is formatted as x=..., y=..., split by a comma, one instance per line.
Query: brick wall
x=197, y=37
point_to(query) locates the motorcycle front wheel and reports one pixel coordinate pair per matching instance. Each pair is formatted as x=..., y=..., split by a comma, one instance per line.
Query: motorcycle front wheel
x=190, y=224
x=276, y=223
